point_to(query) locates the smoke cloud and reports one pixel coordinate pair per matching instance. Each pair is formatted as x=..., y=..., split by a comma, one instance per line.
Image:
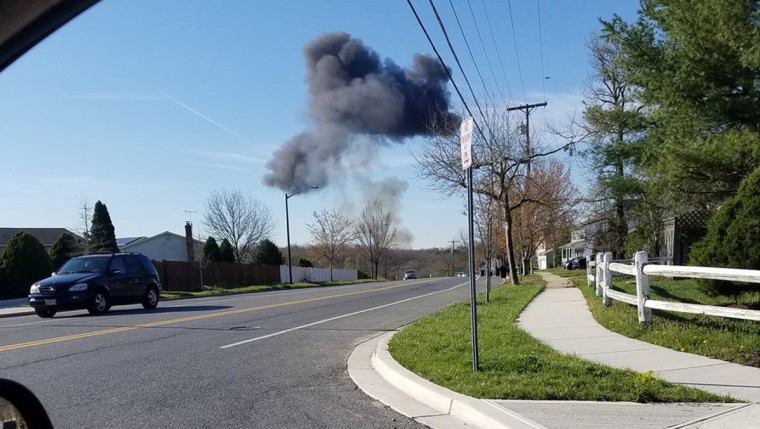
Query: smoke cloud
x=352, y=92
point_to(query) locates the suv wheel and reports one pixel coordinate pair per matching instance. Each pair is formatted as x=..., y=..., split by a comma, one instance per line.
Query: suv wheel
x=45, y=313
x=150, y=300
x=99, y=303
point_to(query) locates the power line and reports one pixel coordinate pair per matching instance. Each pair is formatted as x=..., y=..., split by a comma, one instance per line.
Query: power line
x=496, y=46
x=485, y=53
x=541, y=49
x=459, y=64
x=472, y=57
x=448, y=72
x=517, y=52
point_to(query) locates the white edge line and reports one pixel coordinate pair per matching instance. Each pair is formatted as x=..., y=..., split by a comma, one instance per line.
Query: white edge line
x=274, y=334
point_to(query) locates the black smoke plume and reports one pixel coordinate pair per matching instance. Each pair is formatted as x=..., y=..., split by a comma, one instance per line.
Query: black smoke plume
x=352, y=92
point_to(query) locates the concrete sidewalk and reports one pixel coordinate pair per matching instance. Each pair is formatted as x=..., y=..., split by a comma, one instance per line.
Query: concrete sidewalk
x=560, y=318
x=12, y=307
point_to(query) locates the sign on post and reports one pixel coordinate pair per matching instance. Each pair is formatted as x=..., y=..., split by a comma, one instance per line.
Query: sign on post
x=465, y=142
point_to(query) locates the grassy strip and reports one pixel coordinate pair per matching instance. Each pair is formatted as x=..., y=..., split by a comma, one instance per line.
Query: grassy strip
x=721, y=338
x=170, y=295
x=514, y=365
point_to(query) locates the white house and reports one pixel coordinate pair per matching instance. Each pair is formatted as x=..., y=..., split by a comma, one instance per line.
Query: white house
x=166, y=246
x=545, y=257
x=581, y=242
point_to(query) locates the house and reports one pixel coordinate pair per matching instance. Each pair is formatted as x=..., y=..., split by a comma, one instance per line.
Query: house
x=166, y=246
x=581, y=242
x=544, y=257
x=46, y=236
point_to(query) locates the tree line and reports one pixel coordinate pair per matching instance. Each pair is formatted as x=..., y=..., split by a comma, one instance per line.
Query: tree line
x=25, y=259
x=672, y=118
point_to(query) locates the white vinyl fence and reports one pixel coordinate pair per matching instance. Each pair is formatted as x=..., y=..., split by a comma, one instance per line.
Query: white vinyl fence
x=601, y=268
x=317, y=275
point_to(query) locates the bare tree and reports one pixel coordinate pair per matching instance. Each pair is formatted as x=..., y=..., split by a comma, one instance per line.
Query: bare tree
x=331, y=235
x=85, y=217
x=485, y=219
x=499, y=169
x=540, y=222
x=376, y=231
x=239, y=218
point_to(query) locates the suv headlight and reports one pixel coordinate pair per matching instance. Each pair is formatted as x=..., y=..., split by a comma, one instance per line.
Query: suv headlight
x=78, y=287
x=35, y=288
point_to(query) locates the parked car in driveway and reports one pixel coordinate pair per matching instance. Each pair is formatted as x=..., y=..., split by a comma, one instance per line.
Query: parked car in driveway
x=575, y=263
x=96, y=282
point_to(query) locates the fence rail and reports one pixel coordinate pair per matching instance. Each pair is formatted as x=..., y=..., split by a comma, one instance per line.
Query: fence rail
x=599, y=272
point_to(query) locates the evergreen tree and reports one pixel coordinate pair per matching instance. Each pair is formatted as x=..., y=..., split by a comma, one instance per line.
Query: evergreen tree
x=696, y=68
x=211, y=252
x=733, y=238
x=103, y=237
x=226, y=252
x=24, y=262
x=267, y=253
x=64, y=248
x=305, y=263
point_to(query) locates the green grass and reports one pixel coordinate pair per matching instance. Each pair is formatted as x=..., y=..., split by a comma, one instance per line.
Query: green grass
x=721, y=338
x=513, y=364
x=170, y=295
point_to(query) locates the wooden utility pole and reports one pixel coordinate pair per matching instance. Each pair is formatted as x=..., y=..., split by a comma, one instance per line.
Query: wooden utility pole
x=527, y=108
x=528, y=156
x=452, y=256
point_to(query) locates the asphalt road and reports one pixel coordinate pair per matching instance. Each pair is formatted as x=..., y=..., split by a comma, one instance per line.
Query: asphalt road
x=269, y=360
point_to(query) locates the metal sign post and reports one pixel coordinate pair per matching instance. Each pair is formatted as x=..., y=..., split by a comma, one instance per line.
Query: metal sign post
x=465, y=141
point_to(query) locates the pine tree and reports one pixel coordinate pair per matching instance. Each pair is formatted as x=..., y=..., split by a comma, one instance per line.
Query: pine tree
x=103, y=237
x=211, y=252
x=227, y=254
x=64, y=248
x=267, y=253
x=733, y=238
x=24, y=262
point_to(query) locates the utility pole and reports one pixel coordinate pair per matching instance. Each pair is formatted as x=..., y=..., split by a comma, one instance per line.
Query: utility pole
x=452, y=256
x=529, y=154
x=527, y=108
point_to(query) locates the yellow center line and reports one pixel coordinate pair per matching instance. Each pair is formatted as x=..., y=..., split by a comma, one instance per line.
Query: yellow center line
x=109, y=331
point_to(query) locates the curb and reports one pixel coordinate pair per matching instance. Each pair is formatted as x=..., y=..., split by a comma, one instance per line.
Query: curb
x=16, y=312
x=472, y=411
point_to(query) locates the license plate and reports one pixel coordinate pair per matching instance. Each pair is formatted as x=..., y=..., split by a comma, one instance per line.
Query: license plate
x=49, y=302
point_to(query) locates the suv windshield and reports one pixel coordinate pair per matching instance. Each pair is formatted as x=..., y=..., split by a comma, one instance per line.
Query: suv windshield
x=90, y=264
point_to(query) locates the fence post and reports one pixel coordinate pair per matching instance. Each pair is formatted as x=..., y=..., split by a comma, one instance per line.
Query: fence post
x=607, y=279
x=588, y=270
x=598, y=276
x=642, y=287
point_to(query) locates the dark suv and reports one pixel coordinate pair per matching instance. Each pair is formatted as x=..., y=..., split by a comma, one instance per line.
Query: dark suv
x=96, y=282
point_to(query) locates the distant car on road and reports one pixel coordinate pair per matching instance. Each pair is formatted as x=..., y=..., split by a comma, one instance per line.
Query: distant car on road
x=410, y=274
x=461, y=274
x=96, y=282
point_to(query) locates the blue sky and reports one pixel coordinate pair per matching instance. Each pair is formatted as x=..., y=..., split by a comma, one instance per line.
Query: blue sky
x=149, y=106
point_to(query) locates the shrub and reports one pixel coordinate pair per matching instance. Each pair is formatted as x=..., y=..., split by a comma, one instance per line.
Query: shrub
x=225, y=249
x=305, y=263
x=267, y=253
x=211, y=252
x=24, y=262
x=733, y=238
x=64, y=248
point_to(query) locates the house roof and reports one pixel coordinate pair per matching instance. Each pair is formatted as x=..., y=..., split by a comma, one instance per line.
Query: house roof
x=123, y=241
x=46, y=236
x=165, y=233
